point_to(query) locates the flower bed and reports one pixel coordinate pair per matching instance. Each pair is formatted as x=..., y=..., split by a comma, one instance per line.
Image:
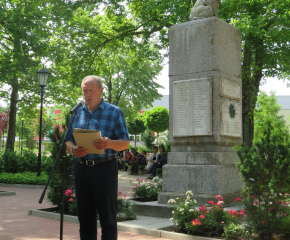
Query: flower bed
x=145, y=191
x=213, y=220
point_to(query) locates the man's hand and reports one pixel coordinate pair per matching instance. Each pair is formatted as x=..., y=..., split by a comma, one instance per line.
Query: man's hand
x=102, y=144
x=80, y=152
x=159, y=163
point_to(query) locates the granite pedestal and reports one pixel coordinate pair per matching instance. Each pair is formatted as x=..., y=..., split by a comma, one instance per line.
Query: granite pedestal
x=205, y=111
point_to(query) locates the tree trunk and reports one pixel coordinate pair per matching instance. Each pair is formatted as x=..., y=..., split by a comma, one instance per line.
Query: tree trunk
x=252, y=75
x=135, y=140
x=12, y=118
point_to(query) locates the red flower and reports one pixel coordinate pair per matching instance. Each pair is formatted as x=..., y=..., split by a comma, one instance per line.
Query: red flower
x=195, y=222
x=210, y=202
x=202, y=216
x=238, y=199
x=219, y=197
x=68, y=192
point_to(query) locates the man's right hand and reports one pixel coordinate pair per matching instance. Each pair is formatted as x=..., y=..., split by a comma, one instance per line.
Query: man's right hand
x=80, y=152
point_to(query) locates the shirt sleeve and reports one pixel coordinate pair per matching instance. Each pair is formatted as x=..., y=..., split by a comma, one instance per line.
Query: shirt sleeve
x=121, y=129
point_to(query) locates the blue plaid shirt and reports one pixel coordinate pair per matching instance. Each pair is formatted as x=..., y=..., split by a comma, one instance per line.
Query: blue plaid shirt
x=107, y=118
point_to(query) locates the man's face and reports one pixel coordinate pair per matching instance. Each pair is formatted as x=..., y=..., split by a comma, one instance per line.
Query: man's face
x=92, y=94
x=134, y=153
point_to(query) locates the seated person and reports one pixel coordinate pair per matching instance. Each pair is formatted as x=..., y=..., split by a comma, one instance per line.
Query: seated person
x=152, y=157
x=138, y=159
x=126, y=159
x=161, y=161
x=120, y=158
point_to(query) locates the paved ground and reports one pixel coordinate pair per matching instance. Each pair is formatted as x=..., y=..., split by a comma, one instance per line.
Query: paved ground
x=16, y=224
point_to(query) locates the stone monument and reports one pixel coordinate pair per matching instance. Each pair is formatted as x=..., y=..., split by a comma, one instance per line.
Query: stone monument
x=205, y=111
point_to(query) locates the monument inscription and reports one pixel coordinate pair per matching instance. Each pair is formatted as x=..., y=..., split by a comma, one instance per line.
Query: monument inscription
x=231, y=124
x=230, y=89
x=192, y=107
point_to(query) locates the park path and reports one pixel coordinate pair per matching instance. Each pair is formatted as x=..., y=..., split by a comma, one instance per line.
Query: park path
x=15, y=224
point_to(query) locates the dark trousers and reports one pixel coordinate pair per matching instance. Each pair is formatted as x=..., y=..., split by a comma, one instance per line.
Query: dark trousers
x=123, y=164
x=153, y=168
x=136, y=165
x=96, y=192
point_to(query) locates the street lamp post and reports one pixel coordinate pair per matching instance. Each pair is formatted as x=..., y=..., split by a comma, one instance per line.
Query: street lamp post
x=42, y=81
x=21, y=136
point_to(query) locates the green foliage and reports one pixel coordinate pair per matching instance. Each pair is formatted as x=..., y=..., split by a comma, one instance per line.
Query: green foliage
x=13, y=162
x=125, y=211
x=148, y=139
x=145, y=191
x=55, y=190
x=233, y=231
x=204, y=220
x=264, y=168
x=157, y=119
x=264, y=27
x=9, y=162
x=23, y=178
x=136, y=126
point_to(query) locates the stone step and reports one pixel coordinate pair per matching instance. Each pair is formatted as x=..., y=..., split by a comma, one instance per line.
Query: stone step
x=153, y=209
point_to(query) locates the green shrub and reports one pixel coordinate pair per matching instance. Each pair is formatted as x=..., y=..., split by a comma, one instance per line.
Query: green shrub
x=148, y=139
x=125, y=211
x=264, y=168
x=55, y=191
x=233, y=231
x=13, y=162
x=145, y=191
x=9, y=161
x=23, y=178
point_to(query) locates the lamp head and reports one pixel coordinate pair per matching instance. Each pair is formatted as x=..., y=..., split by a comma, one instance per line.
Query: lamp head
x=42, y=75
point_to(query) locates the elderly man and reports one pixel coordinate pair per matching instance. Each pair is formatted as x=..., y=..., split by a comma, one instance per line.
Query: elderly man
x=96, y=175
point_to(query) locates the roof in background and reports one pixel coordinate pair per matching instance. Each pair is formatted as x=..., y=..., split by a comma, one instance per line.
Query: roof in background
x=163, y=102
x=284, y=101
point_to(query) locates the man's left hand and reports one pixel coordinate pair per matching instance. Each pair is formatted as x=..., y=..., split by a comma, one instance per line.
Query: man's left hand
x=102, y=143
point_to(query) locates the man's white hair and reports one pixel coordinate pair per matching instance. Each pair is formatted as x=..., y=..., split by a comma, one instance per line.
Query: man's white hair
x=96, y=79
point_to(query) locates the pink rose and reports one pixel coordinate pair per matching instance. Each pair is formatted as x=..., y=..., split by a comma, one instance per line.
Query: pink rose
x=202, y=216
x=219, y=203
x=210, y=202
x=238, y=199
x=68, y=192
x=219, y=197
x=285, y=214
x=124, y=195
x=119, y=192
x=222, y=222
x=70, y=200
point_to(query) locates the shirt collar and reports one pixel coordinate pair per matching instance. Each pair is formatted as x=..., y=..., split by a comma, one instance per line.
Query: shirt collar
x=101, y=106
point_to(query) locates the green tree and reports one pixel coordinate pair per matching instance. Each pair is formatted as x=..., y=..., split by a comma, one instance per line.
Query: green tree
x=148, y=139
x=157, y=120
x=136, y=126
x=24, y=40
x=264, y=169
x=128, y=65
x=264, y=27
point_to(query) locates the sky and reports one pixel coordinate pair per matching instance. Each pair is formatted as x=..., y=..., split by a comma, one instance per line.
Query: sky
x=272, y=84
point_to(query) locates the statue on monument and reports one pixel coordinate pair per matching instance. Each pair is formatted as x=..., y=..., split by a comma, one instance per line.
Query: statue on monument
x=204, y=9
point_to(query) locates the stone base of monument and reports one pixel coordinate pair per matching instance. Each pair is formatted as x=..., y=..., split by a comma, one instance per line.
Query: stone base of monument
x=205, y=181
x=201, y=199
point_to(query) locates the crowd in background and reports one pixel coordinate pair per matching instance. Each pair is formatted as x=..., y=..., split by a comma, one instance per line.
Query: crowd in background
x=132, y=160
